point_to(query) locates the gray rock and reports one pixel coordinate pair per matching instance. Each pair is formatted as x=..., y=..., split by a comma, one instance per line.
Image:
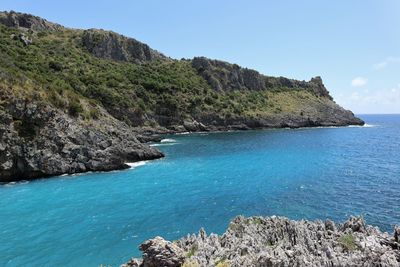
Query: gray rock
x=110, y=45
x=40, y=141
x=27, y=22
x=278, y=241
x=23, y=38
x=159, y=252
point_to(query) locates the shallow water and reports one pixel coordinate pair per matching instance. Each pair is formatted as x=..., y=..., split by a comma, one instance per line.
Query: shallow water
x=204, y=181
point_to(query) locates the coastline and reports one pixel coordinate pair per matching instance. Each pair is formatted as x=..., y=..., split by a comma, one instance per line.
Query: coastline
x=154, y=139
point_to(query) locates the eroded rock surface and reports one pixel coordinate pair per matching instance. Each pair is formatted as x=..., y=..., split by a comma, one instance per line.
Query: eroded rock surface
x=37, y=140
x=27, y=22
x=278, y=241
x=226, y=76
x=111, y=45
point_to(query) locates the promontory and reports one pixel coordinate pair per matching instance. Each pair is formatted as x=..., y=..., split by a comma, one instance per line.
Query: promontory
x=88, y=100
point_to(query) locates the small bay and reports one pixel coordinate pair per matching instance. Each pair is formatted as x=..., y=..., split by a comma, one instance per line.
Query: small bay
x=205, y=180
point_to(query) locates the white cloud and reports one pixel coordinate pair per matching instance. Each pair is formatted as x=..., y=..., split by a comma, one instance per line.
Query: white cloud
x=386, y=62
x=358, y=82
x=374, y=101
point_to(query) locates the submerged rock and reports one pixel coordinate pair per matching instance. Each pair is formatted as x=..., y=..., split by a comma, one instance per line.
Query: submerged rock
x=278, y=241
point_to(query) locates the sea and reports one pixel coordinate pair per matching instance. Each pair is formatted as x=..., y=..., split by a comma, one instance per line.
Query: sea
x=205, y=180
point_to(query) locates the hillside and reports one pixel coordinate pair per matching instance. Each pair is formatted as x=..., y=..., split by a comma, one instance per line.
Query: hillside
x=84, y=100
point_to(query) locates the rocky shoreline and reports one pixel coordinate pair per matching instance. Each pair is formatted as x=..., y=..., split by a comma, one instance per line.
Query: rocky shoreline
x=277, y=241
x=57, y=117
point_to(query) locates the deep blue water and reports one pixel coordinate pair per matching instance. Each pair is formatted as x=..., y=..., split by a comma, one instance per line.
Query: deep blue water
x=204, y=181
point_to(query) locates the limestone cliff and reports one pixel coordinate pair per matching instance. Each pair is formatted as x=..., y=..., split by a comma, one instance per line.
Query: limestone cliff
x=110, y=45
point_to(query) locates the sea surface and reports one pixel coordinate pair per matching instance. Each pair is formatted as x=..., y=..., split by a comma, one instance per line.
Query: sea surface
x=205, y=180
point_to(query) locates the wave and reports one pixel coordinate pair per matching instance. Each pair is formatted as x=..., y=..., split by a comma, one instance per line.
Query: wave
x=164, y=144
x=134, y=165
x=362, y=126
x=15, y=183
x=182, y=133
x=168, y=140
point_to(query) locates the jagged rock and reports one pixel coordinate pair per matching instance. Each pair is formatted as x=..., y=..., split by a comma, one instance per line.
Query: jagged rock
x=194, y=126
x=356, y=224
x=397, y=234
x=23, y=38
x=110, y=45
x=278, y=241
x=27, y=22
x=133, y=263
x=159, y=252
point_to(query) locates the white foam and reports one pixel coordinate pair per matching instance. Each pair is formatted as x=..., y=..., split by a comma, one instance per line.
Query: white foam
x=362, y=126
x=16, y=183
x=136, y=164
x=182, y=133
x=168, y=140
x=164, y=144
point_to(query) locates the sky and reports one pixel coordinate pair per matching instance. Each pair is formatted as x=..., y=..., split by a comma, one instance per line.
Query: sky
x=354, y=45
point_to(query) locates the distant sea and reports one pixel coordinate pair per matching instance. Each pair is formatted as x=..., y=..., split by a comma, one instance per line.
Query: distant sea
x=205, y=180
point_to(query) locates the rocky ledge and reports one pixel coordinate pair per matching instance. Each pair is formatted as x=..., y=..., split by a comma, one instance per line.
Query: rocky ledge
x=277, y=241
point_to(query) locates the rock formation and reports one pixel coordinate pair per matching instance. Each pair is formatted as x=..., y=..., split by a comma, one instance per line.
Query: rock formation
x=277, y=241
x=37, y=140
x=225, y=76
x=110, y=45
x=27, y=22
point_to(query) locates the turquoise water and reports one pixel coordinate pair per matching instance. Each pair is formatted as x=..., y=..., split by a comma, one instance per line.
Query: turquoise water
x=204, y=181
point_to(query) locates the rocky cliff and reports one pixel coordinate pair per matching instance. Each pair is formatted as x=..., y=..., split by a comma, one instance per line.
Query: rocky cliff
x=85, y=100
x=38, y=140
x=27, y=22
x=225, y=76
x=277, y=241
x=110, y=45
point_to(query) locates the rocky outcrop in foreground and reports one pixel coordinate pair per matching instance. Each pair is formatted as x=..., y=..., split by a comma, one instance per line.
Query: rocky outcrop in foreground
x=277, y=241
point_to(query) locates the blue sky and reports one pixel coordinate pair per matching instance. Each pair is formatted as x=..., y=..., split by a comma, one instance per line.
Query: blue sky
x=354, y=45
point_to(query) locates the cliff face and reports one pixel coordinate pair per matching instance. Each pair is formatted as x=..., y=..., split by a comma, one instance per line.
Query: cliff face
x=277, y=241
x=27, y=22
x=225, y=76
x=39, y=141
x=79, y=100
x=110, y=45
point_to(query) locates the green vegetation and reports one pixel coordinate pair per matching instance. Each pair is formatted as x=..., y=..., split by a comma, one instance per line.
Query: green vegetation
x=348, y=242
x=254, y=220
x=222, y=263
x=191, y=252
x=190, y=264
x=58, y=69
